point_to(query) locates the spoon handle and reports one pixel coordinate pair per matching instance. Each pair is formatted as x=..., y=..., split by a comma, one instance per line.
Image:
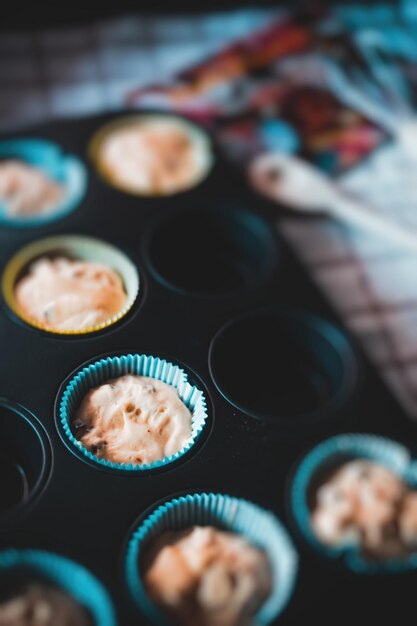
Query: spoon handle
x=354, y=212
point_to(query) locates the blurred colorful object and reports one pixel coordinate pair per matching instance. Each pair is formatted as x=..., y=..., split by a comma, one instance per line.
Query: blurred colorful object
x=243, y=95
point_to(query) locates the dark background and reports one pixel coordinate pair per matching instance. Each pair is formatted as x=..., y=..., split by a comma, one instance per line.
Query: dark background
x=40, y=15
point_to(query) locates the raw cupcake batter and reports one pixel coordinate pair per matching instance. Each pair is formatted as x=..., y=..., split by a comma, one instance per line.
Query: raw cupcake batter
x=41, y=605
x=68, y=295
x=367, y=505
x=133, y=419
x=155, y=156
x=207, y=577
x=26, y=190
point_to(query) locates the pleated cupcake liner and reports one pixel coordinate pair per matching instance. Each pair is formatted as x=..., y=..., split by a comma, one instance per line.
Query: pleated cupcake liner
x=78, y=247
x=336, y=451
x=259, y=526
x=68, y=170
x=67, y=575
x=197, y=135
x=100, y=372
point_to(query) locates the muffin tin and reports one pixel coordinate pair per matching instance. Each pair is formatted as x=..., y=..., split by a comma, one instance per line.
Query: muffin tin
x=222, y=297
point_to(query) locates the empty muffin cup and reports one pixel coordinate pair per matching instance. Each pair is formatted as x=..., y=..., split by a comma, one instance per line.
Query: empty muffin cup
x=70, y=284
x=211, y=252
x=152, y=154
x=25, y=567
x=320, y=466
x=106, y=371
x=39, y=183
x=25, y=459
x=286, y=367
x=258, y=526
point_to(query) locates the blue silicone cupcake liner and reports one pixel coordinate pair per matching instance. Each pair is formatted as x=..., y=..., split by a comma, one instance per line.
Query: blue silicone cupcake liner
x=66, y=575
x=259, y=526
x=101, y=371
x=66, y=169
x=330, y=454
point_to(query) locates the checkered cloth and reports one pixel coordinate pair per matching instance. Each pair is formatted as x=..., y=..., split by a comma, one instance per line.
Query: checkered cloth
x=89, y=69
x=371, y=281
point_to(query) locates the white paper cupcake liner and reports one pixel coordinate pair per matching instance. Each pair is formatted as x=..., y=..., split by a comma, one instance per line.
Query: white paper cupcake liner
x=198, y=137
x=78, y=247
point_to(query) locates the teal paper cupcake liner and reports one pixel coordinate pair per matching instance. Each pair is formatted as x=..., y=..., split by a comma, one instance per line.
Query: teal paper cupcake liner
x=65, y=169
x=66, y=575
x=260, y=527
x=101, y=371
x=334, y=452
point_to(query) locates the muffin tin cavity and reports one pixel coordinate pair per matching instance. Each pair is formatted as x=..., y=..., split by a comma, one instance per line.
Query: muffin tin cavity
x=325, y=459
x=225, y=512
x=47, y=157
x=25, y=458
x=283, y=366
x=211, y=252
x=74, y=247
x=23, y=566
